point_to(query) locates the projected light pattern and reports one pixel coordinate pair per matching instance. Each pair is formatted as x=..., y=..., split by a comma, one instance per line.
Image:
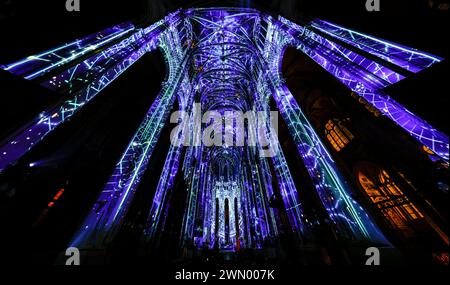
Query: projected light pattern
x=79, y=84
x=229, y=189
x=346, y=214
x=119, y=190
x=368, y=85
x=38, y=65
x=405, y=57
x=226, y=193
x=224, y=59
x=289, y=194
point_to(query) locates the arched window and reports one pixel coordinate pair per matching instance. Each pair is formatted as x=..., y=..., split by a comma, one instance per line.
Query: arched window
x=236, y=221
x=391, y=188
x=217, y=223
x=337, y=134
x=227, y=221
x=396, y=207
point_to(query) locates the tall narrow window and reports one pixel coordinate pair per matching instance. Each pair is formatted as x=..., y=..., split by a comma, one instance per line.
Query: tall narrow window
x=216, y=228
x=396, y=207
x=227, y=221
x=337, y=134
x=236, y=218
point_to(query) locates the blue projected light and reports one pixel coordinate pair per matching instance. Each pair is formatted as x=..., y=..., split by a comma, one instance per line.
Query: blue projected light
x=224, y=59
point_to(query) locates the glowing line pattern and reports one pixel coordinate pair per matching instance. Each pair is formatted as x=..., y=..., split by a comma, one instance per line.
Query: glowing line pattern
x=113, y=202
x=349, y=217
x=35, y=66
x=226, y=59
x=405, y=57
x=368, y=85
x=80, y=84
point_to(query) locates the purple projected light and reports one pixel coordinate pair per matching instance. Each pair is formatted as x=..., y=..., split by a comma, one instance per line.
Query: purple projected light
x=224, y=59
x=89, y=77
x=405, y=57
x=35, y=66
x=113, y=202
x=368, y=85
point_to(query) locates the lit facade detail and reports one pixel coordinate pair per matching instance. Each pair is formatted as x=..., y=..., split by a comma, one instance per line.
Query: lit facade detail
x=337, y=134
x=227, y=59
x=384, y=192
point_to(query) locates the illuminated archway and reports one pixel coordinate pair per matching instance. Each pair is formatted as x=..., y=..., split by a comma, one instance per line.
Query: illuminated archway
x=388, y=198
